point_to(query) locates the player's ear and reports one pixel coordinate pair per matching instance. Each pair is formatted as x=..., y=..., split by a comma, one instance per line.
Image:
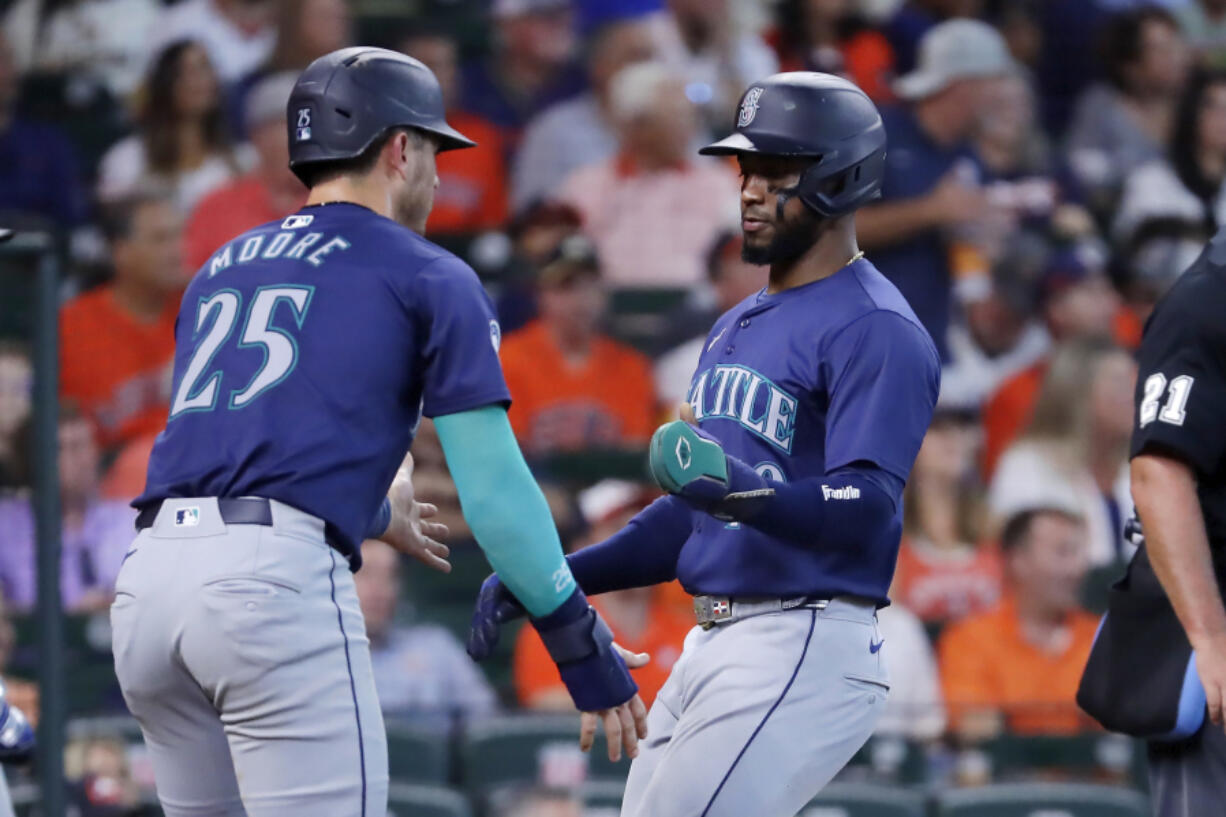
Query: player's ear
x=397, y=152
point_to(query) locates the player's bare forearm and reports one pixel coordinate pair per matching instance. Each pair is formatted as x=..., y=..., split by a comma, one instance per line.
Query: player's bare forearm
x=883, y=225
x=1164, y=491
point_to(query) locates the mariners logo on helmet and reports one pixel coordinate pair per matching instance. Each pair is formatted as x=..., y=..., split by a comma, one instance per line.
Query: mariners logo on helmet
x=749, y=107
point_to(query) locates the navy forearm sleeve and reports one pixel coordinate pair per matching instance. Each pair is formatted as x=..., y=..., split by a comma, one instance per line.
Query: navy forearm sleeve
x=845, y=508
x=643, y=553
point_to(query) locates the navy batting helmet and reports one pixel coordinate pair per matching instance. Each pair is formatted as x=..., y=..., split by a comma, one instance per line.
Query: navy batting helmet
x=346, y=100
x=818, y=116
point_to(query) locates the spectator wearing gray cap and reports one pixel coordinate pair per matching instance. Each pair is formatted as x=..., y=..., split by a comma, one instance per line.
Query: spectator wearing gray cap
x=933, y=198
x=270, y=191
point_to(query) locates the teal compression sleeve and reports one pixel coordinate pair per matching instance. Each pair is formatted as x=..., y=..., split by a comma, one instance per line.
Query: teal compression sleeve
x=505, y=508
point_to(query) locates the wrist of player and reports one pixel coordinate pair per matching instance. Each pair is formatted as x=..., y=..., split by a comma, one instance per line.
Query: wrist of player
x=691, y=464
x=590, y=664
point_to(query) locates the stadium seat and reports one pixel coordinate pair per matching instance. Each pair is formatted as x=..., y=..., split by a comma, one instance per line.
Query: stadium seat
x=602, y=798
x=416, y=755
x=122, y=727
x=584, y=468
x=638, y=316
x=888, y=759
x=408, y=800
x=862, y=800
x=519, y=749
x=1097, y=582
x=1092, y=754
x=1043, y=800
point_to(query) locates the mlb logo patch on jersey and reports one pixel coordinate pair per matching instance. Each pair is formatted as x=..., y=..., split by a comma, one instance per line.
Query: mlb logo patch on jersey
x=495, y=335
x=294, y=222
x=187, y=517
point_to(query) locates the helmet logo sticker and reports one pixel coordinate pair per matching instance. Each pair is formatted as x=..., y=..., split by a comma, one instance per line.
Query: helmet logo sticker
x=749, y=107
x=304, y=124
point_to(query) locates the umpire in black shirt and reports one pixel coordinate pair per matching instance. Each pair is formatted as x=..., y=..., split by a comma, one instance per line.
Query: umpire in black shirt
x=1179, y=488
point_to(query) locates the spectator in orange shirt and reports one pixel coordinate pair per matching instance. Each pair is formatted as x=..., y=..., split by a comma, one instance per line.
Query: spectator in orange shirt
x=117, y=341
x=830, y=36
x=472, y=189
x=572, y=388
x=643, y=619
x=267, y=193
x=1019, y=664
x=1077, y=300
x=944, y=571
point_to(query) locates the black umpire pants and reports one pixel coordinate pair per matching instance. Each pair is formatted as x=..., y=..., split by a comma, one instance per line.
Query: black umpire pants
x=1188, y=779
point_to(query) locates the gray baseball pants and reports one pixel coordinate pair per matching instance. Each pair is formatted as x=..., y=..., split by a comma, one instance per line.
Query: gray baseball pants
x=1188, y=779
x=759, y=714
x=242, y=652
x=6, y=800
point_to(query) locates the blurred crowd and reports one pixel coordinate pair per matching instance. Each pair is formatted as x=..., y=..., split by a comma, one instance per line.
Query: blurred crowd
x=1053, y=165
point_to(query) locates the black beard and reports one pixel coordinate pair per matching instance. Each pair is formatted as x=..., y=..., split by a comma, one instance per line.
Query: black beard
x=791, y=241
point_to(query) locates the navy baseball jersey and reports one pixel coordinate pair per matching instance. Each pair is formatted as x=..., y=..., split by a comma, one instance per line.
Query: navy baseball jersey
x=307, y=351
x=798, y=384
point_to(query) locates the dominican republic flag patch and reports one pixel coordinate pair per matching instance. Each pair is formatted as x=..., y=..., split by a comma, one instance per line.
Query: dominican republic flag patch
x=721, y=608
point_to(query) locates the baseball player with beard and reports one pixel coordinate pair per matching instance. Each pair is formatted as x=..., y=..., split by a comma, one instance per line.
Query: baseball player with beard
x=785, y=481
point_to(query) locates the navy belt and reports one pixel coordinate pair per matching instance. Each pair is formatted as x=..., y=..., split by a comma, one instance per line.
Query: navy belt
x=234, y=511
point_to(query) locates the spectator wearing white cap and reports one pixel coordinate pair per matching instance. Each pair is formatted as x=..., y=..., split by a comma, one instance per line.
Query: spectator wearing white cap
x=580, y=130
x=270, y=191
x=654, y=208
x=533, y=41
x=932, y=191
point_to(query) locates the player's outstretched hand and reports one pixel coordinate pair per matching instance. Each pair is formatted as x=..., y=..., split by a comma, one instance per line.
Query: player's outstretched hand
x=411, y=532
x=496, y=605
x=1211, y=667
x=625, y=725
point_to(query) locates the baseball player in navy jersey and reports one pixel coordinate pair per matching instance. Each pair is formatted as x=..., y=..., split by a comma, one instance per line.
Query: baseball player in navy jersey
x=785, y=485
x=307, y=350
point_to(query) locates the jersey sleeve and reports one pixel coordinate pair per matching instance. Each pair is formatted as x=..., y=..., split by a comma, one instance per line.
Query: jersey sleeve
x=882, y=380
x=462, y=336
x=1181, y=387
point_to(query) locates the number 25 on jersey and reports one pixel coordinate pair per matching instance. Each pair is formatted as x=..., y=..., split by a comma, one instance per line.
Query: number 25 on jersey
x=220, y=313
